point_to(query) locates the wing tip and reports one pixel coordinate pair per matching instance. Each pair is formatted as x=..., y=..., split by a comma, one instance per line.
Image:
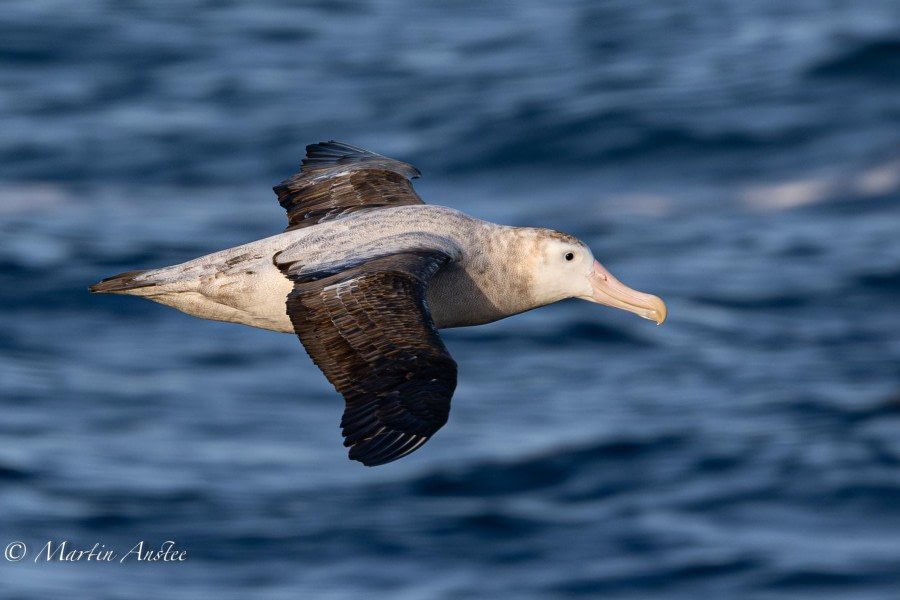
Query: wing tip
x=332, y=153
x=382, y=450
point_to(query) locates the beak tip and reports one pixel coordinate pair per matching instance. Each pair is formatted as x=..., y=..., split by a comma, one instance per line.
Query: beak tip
x=609, y=291
x=661, y=311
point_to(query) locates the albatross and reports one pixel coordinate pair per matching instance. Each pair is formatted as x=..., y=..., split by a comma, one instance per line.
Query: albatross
x=366, y=273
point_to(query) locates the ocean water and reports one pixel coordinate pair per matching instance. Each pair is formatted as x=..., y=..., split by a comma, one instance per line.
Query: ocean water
x=741, y=160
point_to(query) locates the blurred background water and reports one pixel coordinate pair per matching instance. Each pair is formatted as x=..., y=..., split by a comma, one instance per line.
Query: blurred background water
x=739, y=159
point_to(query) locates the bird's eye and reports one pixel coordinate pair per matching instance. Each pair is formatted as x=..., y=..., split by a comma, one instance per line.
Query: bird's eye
x=569, y=256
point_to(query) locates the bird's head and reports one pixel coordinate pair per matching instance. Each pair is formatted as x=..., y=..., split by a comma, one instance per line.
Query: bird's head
x=567, y=269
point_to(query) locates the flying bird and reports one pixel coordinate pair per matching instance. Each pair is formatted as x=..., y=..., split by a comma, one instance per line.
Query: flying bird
x=366, y=273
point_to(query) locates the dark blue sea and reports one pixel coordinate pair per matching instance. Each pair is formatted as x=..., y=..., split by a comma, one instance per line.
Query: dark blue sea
x=739, y=159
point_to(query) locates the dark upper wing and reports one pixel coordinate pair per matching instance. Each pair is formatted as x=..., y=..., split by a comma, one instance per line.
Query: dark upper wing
x=369, y=330
x=337, y=178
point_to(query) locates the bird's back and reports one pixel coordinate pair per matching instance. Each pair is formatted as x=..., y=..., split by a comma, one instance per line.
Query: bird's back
x=246, y=284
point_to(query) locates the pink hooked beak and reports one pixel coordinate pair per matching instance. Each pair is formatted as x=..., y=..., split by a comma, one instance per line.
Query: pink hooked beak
x=610, y=291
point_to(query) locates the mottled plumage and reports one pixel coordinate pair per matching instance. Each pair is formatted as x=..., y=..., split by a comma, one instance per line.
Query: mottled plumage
x=365, y=274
